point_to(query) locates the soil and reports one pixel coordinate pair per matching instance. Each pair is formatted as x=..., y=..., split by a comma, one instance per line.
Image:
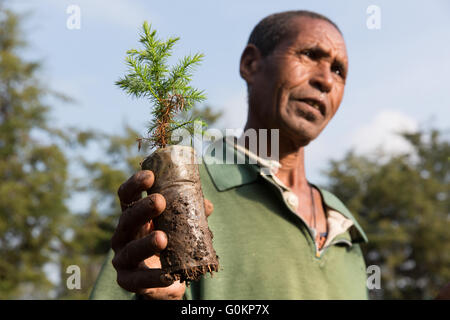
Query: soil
x=189, y=253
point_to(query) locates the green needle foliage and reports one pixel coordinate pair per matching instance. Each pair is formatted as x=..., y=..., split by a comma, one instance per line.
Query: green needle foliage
x=167, y=88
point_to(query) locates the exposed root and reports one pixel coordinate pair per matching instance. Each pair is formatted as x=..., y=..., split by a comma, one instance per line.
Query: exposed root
x=193, y=274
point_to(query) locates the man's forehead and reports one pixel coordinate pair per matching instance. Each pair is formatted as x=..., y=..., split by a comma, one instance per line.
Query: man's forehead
x=318, y=32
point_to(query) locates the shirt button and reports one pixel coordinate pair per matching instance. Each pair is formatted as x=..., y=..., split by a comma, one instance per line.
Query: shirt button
x=291, y=199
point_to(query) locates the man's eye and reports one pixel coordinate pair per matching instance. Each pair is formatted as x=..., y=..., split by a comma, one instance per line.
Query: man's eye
x=308, y=53
x=338, y=71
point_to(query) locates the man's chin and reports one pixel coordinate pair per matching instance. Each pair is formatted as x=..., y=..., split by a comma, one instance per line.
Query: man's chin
x=299, y=138
x=304, y=134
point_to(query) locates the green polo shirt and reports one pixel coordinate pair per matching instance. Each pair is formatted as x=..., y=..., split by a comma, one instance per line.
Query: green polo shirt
x=265, y=249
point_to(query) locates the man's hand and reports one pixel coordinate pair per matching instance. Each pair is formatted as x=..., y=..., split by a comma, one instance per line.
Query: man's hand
x=136, y=245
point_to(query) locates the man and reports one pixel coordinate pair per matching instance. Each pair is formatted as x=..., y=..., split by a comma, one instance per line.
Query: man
x=277, y=235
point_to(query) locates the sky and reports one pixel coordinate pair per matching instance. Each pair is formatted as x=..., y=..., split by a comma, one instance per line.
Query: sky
x=398, y=73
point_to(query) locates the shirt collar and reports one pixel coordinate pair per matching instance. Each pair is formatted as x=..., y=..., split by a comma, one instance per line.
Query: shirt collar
x=233, y=166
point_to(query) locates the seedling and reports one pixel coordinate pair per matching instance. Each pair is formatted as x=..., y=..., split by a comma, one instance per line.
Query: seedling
x=189, y=253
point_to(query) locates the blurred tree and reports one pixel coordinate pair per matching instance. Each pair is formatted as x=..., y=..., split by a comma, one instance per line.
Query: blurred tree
x=91, y=230
x=403, y=204
x=30, y=172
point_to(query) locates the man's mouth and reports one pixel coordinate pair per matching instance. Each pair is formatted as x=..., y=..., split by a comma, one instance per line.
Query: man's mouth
x=316, y=104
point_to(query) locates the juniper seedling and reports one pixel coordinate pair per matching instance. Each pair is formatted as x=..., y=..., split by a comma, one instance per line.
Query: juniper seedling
x=190, y=253
x=167, y=88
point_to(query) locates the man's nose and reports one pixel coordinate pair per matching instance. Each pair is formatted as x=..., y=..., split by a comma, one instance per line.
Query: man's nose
x=322, y=78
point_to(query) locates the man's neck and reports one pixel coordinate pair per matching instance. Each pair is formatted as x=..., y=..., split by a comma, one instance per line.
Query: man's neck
x=292, y=171
x=292, y=175
x=291, y=157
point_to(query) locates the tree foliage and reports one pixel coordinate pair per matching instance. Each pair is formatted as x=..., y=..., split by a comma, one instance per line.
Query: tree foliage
x=30, y=172
x=404, y=206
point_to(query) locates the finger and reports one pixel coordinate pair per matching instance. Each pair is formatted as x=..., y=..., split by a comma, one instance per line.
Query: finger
x=138, y=250
x=139, y=279
x=135, y=217
x=209, y=207
x=173, y=292
x=145, y=230
x=132, y=189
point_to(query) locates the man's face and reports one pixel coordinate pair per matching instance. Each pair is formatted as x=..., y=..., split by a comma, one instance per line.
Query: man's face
x=300, y=85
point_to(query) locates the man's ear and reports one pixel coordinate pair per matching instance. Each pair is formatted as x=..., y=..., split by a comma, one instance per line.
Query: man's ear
x=250, y=63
